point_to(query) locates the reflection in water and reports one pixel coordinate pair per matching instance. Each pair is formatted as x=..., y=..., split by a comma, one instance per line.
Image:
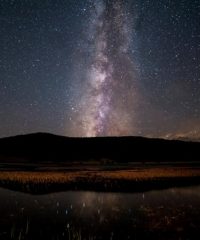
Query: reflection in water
x=166, y=214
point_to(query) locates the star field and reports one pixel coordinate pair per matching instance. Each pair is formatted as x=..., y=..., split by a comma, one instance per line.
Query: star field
x=100, y=68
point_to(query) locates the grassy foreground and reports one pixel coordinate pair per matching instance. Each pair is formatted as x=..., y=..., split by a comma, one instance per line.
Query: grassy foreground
x=129, y=180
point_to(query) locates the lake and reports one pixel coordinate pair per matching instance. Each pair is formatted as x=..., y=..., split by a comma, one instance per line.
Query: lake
x=164, y=214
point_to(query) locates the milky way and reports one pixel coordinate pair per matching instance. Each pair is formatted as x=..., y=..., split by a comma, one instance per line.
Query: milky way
x=110, y=93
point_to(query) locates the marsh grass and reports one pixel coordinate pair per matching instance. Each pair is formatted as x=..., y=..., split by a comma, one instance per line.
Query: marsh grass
x=138, y=179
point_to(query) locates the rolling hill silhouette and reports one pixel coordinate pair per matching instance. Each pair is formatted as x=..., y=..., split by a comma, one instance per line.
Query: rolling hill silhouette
x=44, y=147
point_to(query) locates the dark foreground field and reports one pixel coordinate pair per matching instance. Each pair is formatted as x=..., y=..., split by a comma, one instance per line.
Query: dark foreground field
x=59, y=188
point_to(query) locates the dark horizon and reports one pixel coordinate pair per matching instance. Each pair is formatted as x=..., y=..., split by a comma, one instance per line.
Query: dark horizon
x=43, y=147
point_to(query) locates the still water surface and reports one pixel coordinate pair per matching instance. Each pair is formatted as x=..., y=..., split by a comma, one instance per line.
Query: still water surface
x=165, y=214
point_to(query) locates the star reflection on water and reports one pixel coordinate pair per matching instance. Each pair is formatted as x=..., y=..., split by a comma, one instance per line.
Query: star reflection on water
x=164, y=214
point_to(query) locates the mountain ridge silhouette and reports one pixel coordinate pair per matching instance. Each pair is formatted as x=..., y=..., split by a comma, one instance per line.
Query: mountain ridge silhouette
x=49, y=147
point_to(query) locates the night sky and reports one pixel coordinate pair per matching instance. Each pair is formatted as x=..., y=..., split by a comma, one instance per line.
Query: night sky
x=100, y=67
